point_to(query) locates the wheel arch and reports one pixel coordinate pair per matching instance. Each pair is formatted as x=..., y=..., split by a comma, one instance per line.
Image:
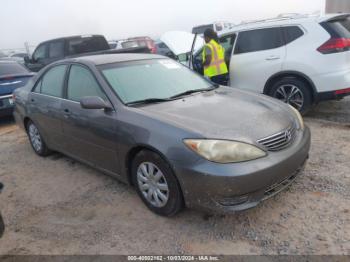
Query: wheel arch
x=274, y=78
x=137, y=149
x=25, y=122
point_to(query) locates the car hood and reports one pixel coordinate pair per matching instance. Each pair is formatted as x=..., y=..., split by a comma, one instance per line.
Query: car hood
x=180, y=42
x=225, y=113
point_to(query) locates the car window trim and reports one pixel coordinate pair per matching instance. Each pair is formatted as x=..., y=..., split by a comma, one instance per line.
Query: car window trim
x=65, y=89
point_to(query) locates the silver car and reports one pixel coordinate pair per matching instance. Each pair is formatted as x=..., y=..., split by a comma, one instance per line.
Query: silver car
x=177, y=138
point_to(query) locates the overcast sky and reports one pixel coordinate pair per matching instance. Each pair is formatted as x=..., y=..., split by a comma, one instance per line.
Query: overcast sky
x=38, y=20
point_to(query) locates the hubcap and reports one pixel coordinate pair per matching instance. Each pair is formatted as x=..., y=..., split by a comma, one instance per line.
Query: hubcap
x=290, y=94
x=35, y=137
x=152, y=183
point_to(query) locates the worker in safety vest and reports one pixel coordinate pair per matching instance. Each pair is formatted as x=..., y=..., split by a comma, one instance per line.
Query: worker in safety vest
x=214, y=58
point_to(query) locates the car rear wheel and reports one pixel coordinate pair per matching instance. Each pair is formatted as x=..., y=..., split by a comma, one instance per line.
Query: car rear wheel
x=36, y=140
x=294, y=92
x=156, y=184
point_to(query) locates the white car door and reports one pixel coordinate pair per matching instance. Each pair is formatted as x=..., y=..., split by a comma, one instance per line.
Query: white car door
x=258, y=54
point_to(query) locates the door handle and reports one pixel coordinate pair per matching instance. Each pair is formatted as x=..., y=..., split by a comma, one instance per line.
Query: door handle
x=273, y=57
x=66, y=112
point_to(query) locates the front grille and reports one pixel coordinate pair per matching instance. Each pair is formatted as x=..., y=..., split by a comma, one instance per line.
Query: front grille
x=278, y=187
x=280, y=140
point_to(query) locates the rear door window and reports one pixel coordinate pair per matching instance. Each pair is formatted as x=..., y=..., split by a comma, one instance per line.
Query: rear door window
x=259, y=40
x=56, y=49
x=82, y=83
x=292, y=33
x=52, y=81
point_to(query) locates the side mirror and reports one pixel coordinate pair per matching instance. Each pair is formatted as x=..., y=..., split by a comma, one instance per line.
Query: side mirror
x=94, y=102
x=27, y=59
x=1, y=186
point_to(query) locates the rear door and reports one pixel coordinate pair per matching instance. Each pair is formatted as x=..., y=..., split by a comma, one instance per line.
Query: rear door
x=258, y=54
x=45, y=105
x=89, y=133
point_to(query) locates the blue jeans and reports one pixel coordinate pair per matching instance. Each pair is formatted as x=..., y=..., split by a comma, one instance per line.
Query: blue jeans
x=220, y=79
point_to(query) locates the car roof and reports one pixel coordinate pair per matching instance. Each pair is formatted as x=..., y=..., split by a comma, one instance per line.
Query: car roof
x=113, y=58
x=70, y=37
x=283, y=19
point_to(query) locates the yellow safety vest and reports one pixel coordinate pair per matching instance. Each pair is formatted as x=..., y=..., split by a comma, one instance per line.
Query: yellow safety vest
x=217, y=65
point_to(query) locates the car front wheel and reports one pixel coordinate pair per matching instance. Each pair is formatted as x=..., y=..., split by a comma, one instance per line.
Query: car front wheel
x=156, y=184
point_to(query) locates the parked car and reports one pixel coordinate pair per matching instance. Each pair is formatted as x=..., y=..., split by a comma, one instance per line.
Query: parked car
x=12, y=76
x=162, y=49
x=2, y=224
x=73, y=46
x=300, y=59
x=216, y=26
x=18, y=57
x=141, y=41
x=171, y=133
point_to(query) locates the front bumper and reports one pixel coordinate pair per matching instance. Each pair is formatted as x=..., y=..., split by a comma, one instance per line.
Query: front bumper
x=6, y=105
x=226, y=188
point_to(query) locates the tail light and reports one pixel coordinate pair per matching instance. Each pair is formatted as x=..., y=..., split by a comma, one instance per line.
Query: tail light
x=152, y=47
x=335, y=45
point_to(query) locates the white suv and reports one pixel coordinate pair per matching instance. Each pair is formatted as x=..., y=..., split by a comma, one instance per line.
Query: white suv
x=300, y=59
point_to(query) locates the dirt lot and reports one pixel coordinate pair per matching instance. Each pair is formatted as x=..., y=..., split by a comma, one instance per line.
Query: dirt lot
x=58, y=206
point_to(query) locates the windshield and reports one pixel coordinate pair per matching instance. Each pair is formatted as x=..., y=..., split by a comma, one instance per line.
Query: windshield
x=151, y=79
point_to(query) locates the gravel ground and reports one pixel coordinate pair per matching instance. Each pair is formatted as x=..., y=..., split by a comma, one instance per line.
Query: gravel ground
x=59, y=206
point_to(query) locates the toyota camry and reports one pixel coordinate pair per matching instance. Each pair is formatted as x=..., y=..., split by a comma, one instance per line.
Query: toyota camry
x=151, y=122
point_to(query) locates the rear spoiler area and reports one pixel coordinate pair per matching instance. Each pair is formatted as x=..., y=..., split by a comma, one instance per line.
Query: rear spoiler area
x=334, y=17
x=142, y=50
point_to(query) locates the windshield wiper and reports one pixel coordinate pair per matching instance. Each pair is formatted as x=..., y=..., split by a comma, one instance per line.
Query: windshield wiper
x=188, y=92
x=148, y=101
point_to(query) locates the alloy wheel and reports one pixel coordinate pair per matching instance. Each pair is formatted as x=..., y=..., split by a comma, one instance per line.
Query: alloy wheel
x=35, y=137
x=291, y=95
x=152, y=184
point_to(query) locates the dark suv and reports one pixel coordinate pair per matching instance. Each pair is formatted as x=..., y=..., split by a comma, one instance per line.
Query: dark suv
x=53, y=50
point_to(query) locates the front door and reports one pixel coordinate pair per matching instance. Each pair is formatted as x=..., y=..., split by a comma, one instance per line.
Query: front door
x=258, y=54
x=89, y=133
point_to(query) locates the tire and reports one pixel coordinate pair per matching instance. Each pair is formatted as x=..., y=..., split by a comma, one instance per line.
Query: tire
x=302, y=98
x=160, y=186
x=36, y=140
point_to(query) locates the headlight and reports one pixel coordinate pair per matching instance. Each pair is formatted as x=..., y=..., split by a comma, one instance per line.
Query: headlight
x=299, y=117
x=222, y=151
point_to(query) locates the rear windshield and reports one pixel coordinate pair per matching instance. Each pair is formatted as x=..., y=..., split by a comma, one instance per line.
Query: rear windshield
x=130, y=44
x=338, y=28
x=12, y=69
x=87, y=44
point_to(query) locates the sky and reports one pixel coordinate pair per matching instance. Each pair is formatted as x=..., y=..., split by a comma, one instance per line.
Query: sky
x=34, y=21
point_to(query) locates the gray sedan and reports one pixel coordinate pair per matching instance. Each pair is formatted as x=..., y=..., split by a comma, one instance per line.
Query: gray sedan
x=177, y=138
